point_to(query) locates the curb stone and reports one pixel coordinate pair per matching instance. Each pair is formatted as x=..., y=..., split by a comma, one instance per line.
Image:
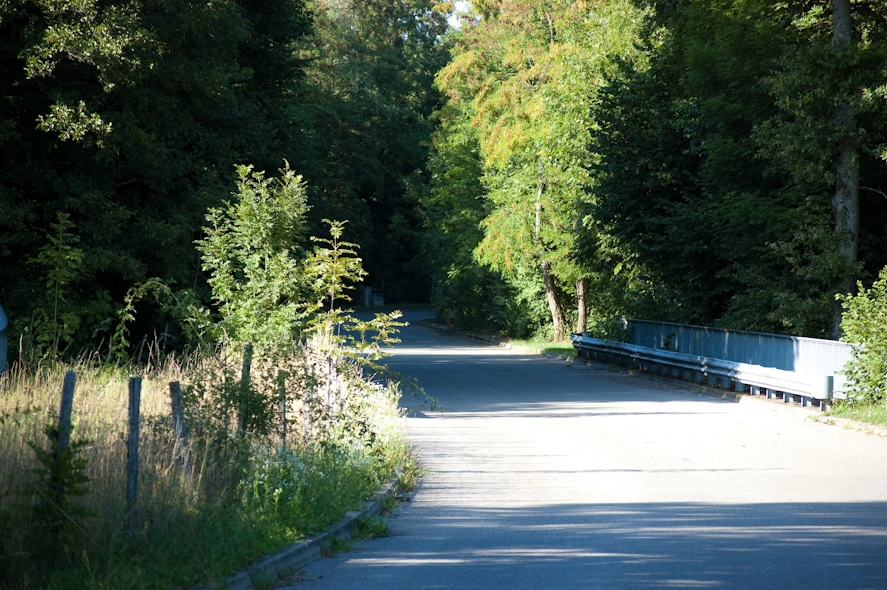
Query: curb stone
x=298, y=555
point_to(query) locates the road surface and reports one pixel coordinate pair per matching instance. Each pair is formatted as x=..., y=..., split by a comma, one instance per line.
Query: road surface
x=545, y=474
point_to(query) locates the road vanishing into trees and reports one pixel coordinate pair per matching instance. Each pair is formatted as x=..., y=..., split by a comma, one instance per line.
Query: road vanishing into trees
x=545, y=474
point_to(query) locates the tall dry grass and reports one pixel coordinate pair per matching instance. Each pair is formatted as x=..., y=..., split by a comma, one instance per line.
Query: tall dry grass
x=29, y=402
x=191, y=528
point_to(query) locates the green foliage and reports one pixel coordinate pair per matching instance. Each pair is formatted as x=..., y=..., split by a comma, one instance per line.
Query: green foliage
x=465, y=293
x=62, y=261
x=372, y=528
x=526, y=77
x=253, y=256
x=716, y=175
x=126, y=116
x=369, y=96
x=863, y=321
x=126, y=314
x=307, y=489
x=192, y=530
x=61, y=481
x=874, y=413
x=56, y=517
x=333, y=268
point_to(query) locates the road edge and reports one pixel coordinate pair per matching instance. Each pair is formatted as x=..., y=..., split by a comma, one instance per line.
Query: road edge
x=287, y=561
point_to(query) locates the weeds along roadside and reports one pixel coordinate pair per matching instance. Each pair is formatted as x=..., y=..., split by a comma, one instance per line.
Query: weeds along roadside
x=249, y=491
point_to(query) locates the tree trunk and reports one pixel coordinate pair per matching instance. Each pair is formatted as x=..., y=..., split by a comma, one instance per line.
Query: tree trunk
x=582, y=304
x=845, y=203
x=552, y=294
x=846, y=199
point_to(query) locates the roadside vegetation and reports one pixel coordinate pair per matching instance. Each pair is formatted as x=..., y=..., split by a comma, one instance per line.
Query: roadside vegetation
x=290, y=419
x=864, y=326
x=861, y=412
x=718, y=163
x=247, y=495
x=547, y=346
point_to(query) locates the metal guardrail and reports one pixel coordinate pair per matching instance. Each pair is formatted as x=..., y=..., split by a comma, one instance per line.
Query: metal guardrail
x=790, y=353
x=738, y=376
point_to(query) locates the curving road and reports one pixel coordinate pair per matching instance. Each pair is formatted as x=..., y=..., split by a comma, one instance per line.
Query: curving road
x=544, y=474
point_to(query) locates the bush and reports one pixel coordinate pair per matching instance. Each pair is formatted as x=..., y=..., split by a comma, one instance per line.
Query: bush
x=863, y=323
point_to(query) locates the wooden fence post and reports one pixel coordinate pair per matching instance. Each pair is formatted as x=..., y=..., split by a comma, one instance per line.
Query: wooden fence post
x=245, y=394
x=132, y=451
x=183, y=448
x=67, y=406
x=63, y=434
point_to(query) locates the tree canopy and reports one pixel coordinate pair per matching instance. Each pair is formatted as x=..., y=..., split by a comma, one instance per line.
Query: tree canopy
x=694, y=161
x=129, y=120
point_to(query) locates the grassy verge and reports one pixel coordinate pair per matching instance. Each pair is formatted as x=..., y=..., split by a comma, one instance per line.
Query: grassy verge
x=246, y=496
x=869, y=413
x=564, y=348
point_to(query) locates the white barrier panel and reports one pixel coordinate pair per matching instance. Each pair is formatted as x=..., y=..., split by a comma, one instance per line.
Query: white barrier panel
x=768, y=379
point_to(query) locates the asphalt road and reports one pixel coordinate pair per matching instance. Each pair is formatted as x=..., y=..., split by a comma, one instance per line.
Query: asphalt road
x=543, y=474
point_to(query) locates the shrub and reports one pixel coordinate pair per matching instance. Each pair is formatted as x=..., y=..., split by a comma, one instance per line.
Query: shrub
x=863, y=323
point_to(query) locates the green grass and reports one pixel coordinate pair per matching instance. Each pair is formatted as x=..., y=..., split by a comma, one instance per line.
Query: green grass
x=870, y=413
x=564, y=348
x=372, y=528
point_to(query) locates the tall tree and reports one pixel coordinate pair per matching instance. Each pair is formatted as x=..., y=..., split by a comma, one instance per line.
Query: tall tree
x=846, y=199
x=526, y=73
x=732, y=132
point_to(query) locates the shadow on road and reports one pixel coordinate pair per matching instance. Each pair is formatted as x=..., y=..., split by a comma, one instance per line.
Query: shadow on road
x=770, y=545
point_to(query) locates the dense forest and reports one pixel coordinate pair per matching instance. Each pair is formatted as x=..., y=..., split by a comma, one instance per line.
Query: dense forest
x=123, y=122
x=719, y=162
x=544, y=165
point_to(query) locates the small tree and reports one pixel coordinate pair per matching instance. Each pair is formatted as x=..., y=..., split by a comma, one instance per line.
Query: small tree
x=333, y=268
x=254, y=257
x=253, y=254
x=863, y=323
x=62, y=261
x=269, y=291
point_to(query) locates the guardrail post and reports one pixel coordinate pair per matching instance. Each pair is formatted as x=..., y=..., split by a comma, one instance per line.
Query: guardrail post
x=827, y=387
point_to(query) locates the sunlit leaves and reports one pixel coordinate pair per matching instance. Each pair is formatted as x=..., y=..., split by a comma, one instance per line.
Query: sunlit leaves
x=864, y=318
x=72, y=123
x=526, y=74
x=251, y=252
x=90, y=32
